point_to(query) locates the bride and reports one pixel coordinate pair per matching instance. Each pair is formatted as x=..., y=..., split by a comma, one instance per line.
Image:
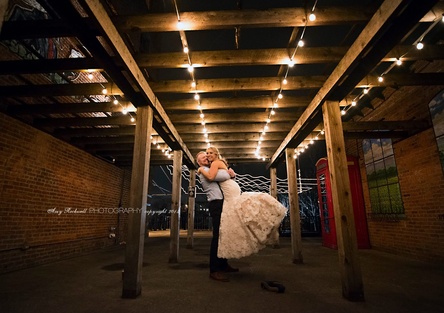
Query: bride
x=249, y=221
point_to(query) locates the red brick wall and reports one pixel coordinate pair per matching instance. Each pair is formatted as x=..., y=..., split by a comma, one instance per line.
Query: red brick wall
x=41, y=175
x=420, y=235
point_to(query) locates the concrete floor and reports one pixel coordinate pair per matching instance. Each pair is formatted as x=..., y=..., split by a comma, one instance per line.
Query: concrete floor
x=92, y=283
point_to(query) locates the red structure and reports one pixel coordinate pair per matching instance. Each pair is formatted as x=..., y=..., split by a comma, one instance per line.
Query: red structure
x=326, y=204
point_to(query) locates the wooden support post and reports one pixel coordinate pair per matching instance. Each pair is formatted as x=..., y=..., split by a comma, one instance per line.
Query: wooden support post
x=273, y=193
x=352, y=287
x=175, y=206
x=273, y=182
x=132, y=277
x=3, y=8
x=295, y=218
x=191, y=204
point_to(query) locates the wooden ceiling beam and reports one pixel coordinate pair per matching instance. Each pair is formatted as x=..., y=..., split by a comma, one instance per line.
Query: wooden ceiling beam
x=162, y=22
x=307, y=55
x=72, y=107
x=216, y=58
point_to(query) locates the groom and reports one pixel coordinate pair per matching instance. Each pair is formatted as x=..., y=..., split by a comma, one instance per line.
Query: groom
x=218, y=266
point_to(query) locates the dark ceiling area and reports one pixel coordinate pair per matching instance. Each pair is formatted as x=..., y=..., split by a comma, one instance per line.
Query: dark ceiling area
x=261, y=71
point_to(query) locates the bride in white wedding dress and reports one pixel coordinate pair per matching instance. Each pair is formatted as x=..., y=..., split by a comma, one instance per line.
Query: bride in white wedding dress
x=249, y=221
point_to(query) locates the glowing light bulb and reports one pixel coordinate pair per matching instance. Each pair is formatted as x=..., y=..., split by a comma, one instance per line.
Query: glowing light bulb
x=196, y=97
x=280, y=96
x=291, y=63
x=104, y=91
x=353, y=103
x=116, y=102
x=190, y=68
x=301, y=43
x=124, y=111
x=342, y=112
x=285, y=81
x=193, y=84
x=380, y=79
x=186, y=50
x=419, y=45
x=133, y=119
x=398, y=62
x=312, y=17
x=365, y=91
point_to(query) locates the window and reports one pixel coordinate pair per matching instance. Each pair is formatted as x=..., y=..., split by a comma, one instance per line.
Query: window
x=436, y=107
x=382, y=177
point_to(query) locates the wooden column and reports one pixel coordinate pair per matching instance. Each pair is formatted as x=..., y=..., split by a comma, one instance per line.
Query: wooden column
x=273, y=193
x=191, y=208
x=273, y=182
x=3, y=8
x=295, y=219
x=175, y=206
x=135, y=238
x=352, y=287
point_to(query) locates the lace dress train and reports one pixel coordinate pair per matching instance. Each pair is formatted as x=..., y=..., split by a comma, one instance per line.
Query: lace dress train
x=249, y=221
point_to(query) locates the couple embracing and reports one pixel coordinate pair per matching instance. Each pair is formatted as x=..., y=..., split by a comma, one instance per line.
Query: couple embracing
x=243, y=222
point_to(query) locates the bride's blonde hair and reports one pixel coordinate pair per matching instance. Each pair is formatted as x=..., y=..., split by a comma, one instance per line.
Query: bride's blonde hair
x=219, y=156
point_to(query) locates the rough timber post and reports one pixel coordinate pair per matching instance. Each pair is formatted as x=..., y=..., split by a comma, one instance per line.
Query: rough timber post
x=191, y=204
x=175, y=206
x=295, y=219
x=273, y=193
x=352, y=287
x=132, y=278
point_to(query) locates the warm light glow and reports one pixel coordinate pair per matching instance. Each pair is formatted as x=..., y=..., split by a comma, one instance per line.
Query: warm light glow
x=90, y=76
x=133, y=119
x=273, y=112
x=202, y=115
x=342, y=112
x=290, y=63
x=104, y=91
x=275, y=105
x=380, y=79
x=285, y=81
x=180, y=25
x=190, y=68
x=268, y=121
x=312, y=17
x=116, y=102
x=419, y=45
x=280, y=96
x=301, y=43
x=196, y=96
x=311, y=141
x=398, y=62
x=124, y=111
x=365, y=91
x=353, y=103
x=186, y=50
x=193, y=84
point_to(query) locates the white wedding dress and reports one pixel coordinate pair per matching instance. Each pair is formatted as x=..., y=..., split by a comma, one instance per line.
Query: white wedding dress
x=249, y=221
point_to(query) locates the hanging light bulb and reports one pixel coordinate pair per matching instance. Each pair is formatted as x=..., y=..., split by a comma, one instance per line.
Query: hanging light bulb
x=419, y=45
x=285, y=81
x=196, y=96
x=312, y=17
x=186, y=50
x=180, y=25
x=190, y=68
x=133, y=119
x=380, y=79
x=301, y=43
x=343, y=112
x=398, y=62
x=291, y=63
x=365, y=91
x=124, y=111
x=272, y=112
x=104, y=91
x=280, y=96
x=90, y=76
x=353, y=103
x=116, y=102
x=193, y=84
x=275, y=105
